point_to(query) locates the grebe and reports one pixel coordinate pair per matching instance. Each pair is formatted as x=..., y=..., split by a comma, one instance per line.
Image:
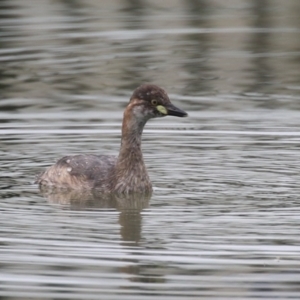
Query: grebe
x=126, y=173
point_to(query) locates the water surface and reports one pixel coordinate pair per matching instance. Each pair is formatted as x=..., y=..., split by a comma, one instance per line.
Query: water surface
x=223, y=221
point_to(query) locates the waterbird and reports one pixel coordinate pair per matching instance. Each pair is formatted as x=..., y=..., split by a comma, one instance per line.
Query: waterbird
x=127, y=172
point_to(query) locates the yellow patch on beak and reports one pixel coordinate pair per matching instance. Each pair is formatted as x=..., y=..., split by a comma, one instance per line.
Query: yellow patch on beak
x=162, y=109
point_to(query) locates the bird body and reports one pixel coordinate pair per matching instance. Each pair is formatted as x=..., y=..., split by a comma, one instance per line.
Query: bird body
x=126, y=173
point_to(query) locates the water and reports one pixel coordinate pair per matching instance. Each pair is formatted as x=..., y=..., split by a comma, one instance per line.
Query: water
x=223, y=221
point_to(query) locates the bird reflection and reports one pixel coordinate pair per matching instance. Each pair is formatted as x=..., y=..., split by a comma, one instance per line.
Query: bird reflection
x=130, y=220
x=93, y=199
x=130, y=207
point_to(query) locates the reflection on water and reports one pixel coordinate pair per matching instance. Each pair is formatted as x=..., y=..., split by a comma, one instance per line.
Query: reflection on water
x=129, y=206
x=198, y=53
x=195, y=47
x=94, y=199
x=259, y=44
x=223, y=221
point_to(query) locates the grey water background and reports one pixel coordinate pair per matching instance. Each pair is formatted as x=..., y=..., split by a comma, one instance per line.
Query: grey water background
x=224, y=219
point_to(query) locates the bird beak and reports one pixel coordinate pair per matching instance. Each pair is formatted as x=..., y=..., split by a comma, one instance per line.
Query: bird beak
x=171, y=110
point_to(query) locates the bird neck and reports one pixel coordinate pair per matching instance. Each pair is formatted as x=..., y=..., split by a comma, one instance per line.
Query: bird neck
x=130, y=150
x=130, y=169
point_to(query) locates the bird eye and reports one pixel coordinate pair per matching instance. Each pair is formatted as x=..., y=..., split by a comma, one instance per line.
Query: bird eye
x=154, y=102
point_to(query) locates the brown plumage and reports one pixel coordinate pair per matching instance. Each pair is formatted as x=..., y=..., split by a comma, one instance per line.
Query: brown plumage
x=123, y=174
